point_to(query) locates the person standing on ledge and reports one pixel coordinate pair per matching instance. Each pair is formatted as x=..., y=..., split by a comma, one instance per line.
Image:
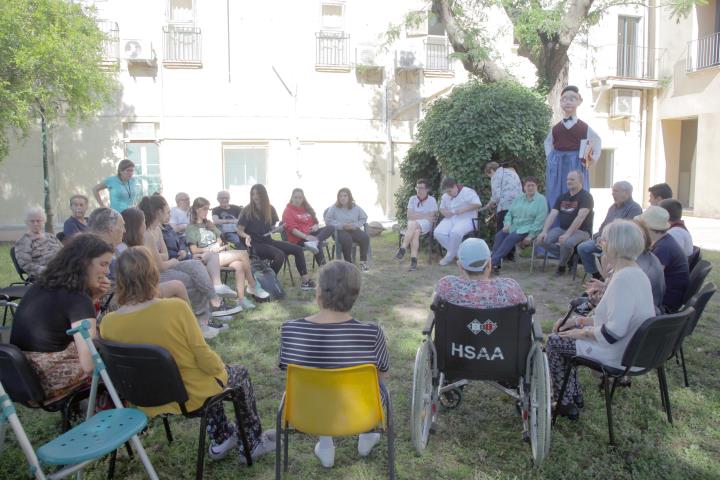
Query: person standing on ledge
x=570, y=145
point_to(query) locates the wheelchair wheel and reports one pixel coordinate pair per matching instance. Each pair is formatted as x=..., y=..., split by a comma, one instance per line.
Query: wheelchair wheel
x=422, y=398
x=540, y=403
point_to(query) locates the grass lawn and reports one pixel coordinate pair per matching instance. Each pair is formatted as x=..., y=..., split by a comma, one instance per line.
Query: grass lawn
x=481, y=439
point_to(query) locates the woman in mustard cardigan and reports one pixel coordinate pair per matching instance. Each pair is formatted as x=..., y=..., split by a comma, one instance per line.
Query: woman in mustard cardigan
x=169, y=323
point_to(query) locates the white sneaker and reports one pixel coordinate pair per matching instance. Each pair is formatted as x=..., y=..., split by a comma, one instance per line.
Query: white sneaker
x=224, y=319
x=224, y=310
x=446, y=260
x=224, y=291
x=266, y=445
x=257, y=290
x=366, y=442
x=312, y=246
x=325, y=455
x=216, y=452
x=209, y=332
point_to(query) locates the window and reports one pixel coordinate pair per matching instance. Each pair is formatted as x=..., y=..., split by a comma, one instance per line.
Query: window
x=147, y=165
x=244, y=165
x=181, y=11
x=601, y=175
x=435, y=26
x=332, y=16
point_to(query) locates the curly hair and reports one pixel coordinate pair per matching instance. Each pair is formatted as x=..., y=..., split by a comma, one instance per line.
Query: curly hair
x=68, y=269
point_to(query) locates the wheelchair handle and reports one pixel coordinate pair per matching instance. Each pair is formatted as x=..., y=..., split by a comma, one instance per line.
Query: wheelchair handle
x=83, y=329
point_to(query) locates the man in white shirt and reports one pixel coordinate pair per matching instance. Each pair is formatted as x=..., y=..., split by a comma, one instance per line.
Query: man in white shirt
x=459, y=205
x=677, y=227
x=421, y=213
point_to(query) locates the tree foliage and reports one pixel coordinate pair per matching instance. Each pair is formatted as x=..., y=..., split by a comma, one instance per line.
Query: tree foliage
x=50, y=54
x=475, y=124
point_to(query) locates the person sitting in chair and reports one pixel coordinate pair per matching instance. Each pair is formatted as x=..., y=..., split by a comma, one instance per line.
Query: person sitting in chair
x=349, y=219
x=77, y=222
x=36, y=247
x=678, y=230
x=225, y=216
x=422, y=210
x=169, y=323
x=603, y=336
x=474, y=288
x=459, y=206
x=302, y=226
x=332, y=338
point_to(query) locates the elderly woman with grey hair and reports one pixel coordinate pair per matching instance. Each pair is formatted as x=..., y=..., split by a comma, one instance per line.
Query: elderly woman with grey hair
x=332, y=338
x=36, y=248
x=603, y=335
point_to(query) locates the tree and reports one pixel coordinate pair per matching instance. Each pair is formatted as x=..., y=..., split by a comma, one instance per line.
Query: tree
x=50, y=55
x=476, y=123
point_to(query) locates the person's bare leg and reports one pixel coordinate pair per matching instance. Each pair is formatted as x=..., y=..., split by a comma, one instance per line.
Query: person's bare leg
x=415, y=242
x=239, y=268
x=409, y=233
x=212, y=264
x=173, y=289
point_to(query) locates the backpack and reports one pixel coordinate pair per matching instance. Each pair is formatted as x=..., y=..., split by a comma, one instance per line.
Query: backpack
x=266, y=277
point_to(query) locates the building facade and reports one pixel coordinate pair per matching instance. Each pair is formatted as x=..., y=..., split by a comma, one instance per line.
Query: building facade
x=218, y=95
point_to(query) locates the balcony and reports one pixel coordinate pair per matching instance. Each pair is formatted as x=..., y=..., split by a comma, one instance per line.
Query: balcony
x=437, y=57
x=111, y=42
x=703, y=53
x=332, y=51
x=182, y=46
x=626, y=66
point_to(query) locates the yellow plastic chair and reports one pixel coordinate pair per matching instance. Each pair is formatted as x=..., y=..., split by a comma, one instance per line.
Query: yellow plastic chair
x=333, y=402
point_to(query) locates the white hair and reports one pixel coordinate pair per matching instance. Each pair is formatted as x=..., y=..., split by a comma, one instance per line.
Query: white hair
x=33, y=211
x=624, y=185
x=624, y=240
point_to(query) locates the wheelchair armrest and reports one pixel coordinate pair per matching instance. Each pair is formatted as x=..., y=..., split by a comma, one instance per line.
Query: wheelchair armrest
x=537, y=331
x=429, y=324
x=531, y=304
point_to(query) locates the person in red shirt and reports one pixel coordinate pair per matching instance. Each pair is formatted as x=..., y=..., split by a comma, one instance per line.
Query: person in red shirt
x=302, y=226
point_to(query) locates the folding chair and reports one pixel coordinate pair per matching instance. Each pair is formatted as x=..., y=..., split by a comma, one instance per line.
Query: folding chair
x=97, y=436
x=648, y=349
x=147, y=376
x=427, y=237
x=333, y=402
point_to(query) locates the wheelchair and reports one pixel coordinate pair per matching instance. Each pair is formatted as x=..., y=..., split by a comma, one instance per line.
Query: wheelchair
x=499, y=346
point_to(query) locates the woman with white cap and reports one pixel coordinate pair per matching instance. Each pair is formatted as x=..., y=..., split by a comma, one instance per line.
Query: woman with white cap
x=473, y=287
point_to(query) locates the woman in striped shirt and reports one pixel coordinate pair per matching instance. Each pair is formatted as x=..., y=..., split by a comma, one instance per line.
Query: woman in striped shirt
x=332, y=338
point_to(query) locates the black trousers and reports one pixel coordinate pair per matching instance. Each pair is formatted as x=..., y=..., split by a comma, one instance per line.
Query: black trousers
x=276, y=251
x=321, y=234
x=346, y=239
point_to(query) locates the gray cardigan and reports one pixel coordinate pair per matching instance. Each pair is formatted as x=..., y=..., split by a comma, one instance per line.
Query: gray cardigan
x=338, y=216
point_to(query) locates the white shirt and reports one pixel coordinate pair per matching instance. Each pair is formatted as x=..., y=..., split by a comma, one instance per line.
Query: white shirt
x=465, y=197
x=429, y=205
x=179, y=217
x=683, y=238
x=505, y=185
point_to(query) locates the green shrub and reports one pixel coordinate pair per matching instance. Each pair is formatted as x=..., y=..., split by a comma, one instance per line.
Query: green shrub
x=475, y=124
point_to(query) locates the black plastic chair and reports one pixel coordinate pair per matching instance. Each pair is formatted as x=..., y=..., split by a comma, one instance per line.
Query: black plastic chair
x=24, y=276
x=694, y=257
x=23, y=386
x=147, y=376
x=698, y=302
x=648, y=349
x=697, y=278
x=426, y=237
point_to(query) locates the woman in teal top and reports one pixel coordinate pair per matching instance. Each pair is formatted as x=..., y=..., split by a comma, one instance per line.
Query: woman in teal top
x=124, y=188
x=523, y=221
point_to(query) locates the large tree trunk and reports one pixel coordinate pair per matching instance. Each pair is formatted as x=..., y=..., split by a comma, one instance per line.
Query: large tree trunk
x=485, y=69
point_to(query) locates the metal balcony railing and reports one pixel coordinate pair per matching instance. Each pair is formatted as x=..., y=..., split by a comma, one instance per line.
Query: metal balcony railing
x=182, y=44
x=437, y=56
x=703, y=52
x=332, y=49
x=111, y=43
x=627, y=61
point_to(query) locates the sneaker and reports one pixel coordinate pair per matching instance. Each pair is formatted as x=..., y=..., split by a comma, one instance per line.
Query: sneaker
x=220, y=327
x=363, y=267
x=400, y=254
x=309, y=285
x=217, y=452
x=413, y=265
x=224, y=319
x=247, y=304
x=366, y=442
x=446, y=260
x=312, y=247
x=560, y=272
x=209, y=332
x=266, y=445
x=223, y=290
x=257, y=291
x=325, y=455
x=225, y=310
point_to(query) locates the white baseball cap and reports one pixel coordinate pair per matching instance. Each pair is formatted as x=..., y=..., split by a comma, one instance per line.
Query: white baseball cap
x=474, y=255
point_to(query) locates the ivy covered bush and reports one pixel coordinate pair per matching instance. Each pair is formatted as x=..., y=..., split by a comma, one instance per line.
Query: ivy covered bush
x=475, y=124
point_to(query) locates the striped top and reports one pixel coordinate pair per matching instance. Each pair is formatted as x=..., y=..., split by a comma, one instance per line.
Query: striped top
x=332, y=345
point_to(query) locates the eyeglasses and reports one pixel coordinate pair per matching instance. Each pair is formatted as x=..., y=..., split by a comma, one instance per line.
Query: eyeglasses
x=420, y=188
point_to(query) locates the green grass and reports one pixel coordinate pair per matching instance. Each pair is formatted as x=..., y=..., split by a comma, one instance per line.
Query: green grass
x=481, y=439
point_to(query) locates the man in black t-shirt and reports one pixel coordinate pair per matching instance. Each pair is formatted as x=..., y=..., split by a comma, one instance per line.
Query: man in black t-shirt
x=226, y=216
x=572, y=210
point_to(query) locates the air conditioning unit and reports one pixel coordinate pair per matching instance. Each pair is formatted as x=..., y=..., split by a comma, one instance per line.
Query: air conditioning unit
x=134, y=50
x=408, y=60
x=624, y=102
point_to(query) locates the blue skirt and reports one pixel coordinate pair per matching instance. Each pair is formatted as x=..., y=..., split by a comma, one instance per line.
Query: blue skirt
x=559, y=164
